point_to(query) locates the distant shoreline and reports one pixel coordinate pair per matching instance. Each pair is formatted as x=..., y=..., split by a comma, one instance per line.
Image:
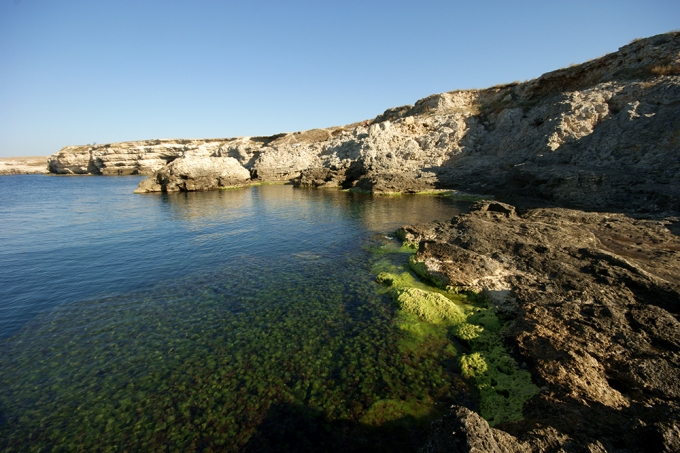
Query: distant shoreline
x=24, y=165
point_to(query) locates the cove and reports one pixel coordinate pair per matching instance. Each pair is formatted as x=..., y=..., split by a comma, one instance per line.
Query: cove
x=238, y=320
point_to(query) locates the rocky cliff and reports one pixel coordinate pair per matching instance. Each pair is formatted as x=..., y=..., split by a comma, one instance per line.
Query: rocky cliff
x=604, y=133
x=144, y=157
x=591, y=300
x=23, y=165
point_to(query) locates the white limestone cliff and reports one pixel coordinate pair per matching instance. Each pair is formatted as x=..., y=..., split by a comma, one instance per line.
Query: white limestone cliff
x=602, y=133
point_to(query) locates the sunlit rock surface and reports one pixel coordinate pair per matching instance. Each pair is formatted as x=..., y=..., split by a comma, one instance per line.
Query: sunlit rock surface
x=196, y=173
x=599, y=134
x=23, y=165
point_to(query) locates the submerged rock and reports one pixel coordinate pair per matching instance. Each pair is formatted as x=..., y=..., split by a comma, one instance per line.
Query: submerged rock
x=430, y=307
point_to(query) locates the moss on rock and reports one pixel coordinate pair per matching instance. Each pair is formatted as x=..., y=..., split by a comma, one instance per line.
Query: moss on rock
x=426, y=316
x=473, y=365
x=429, y=306
x=410, y=246
x=503, y=387
x=466, y=331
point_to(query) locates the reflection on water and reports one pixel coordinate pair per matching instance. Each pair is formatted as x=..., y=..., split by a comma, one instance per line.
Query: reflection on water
x=266, y=203
x=234, y=320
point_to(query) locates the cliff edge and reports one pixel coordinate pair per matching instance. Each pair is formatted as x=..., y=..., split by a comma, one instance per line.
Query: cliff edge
x=598, y=135
x=28, y=165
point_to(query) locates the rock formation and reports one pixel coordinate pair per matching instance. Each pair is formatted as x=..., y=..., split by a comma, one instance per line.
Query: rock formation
x=23, y=165
x=127, y=158
x=464, y=431
x=602, y=134
x=196, y=173
x=592, y=301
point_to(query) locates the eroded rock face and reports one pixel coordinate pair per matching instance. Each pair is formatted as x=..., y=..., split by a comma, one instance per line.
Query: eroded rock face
x=23, y=165
x=600, y=135
x=594, y=301
x=132, y=158
x=196, y=173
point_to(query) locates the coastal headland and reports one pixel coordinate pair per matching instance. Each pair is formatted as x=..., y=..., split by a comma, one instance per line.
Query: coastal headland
x=29, y=165
x=580, y=255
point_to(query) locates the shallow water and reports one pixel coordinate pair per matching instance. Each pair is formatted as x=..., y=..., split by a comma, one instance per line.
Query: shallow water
x=245, y=319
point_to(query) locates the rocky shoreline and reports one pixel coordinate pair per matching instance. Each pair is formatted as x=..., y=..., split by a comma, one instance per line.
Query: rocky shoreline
x=592, y=301
x=583, y=264
x=33, y=165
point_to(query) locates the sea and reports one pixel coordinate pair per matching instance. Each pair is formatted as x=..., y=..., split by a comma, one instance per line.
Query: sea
x=245, y=319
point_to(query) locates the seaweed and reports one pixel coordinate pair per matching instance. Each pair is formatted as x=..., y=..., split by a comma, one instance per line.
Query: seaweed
x=431, y=313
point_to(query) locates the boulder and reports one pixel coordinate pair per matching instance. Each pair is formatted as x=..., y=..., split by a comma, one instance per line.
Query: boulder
x=196, y=173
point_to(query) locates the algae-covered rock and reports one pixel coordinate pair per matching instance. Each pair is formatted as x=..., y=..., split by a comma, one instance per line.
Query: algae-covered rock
x=473, y=365
x=503, y=387
x=466, y=331
x=591, y=302
x=429, y=306
x=425, y=317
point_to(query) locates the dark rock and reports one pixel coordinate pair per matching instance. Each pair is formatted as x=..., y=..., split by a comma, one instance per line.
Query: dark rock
x=596, y=300
x=465, y=431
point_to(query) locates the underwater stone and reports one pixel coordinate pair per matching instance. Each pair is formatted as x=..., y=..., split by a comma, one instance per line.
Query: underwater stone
x=429, y=306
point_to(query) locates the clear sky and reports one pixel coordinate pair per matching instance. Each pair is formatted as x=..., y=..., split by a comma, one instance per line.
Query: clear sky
x=83, y=71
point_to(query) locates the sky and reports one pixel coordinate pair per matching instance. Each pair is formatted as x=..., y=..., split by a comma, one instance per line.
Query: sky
x=100, y=71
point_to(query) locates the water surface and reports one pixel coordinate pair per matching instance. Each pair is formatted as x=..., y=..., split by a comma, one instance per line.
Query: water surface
x=245, y=319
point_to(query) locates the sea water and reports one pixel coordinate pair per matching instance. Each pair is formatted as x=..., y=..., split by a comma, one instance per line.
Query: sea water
x=237, y=320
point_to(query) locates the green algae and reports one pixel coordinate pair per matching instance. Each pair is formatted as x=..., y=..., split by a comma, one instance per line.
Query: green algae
x=400, y=234
x=410, y=246
x=406, y=245
x=254, y=184
x=391, y=247
x=429, y=315
x=357, y=190
x=473, y=365
x=466, y=331
x=455, y=195
x=504, y=388
x=204, y=363
x=383, y=411
x=397, y=277
x=428, y=306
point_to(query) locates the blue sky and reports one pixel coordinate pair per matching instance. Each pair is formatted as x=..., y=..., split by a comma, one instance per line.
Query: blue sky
x=76, y=72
